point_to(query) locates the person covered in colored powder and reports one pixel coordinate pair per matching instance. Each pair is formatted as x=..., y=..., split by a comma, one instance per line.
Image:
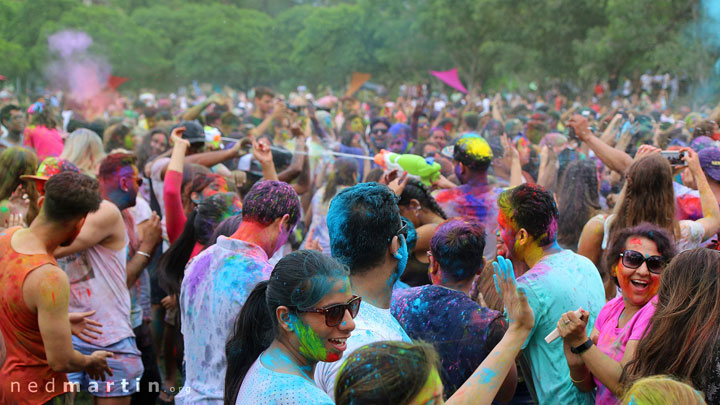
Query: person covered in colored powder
x=301, y=316
x=557, y=281
x=402, y=373
x=34, y=295
x=367, y=235
x=462, y=331
x=219, y=279
x=636, y=257
x=474, y=198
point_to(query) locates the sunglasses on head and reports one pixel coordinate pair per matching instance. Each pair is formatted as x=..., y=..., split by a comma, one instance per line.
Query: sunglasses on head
x=379, y=131
x=334, y=314
x=633, y=259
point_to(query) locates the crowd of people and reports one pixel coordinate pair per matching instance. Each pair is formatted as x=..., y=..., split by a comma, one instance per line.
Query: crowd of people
x=268, y=249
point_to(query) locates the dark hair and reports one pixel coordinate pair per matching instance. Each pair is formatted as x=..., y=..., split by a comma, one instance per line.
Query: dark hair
x=114, y=162
x=263, y=91
x=45, y=117
x=473, y=151
x=455, y=246
x=386, y=373
x=70, y=196
x=471, y=120
x=5, y=113
x=16, y=161
x=269, y=200
x=143, y=150
x=578, y=200
x=361, y=220
x=299, y=280
x=647, y=196
x=533, y=208
x=211, y=117
x=662, y=239
x=703, y=128
x=199, y=228
x=374, y=175
x=343, y=175
x=114, y=137
x=227, y=227
x=683, y=335
x=380, y=120
x=415, y=189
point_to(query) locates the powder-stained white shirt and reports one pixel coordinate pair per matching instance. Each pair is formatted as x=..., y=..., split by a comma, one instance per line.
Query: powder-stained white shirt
x=216, y=284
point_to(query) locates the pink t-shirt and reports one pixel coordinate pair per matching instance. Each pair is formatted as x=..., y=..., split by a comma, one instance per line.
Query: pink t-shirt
x=46, y=142
x=612, y=340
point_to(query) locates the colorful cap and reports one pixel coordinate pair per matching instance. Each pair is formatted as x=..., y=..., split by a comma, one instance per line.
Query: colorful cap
x=48, y=168
x=710, y=162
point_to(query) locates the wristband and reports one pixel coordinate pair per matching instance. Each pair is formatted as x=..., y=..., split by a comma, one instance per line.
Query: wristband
x=582, y=348
x=141, y=253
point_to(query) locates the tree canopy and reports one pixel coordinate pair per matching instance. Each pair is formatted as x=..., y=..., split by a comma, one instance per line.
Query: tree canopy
x=285, y=43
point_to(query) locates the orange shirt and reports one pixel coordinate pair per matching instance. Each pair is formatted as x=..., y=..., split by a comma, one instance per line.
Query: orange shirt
x=26, y=377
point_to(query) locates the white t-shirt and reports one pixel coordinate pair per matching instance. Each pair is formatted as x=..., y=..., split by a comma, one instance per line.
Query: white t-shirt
x=263, y=386
x=372, y=324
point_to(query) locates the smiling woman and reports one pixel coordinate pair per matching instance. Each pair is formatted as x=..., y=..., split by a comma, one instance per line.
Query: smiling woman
x=302, y=315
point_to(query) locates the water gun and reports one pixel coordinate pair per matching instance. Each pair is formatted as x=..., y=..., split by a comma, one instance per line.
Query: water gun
x=426, y=168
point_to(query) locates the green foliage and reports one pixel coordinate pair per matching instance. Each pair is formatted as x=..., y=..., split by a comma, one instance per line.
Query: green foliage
x=285, y=43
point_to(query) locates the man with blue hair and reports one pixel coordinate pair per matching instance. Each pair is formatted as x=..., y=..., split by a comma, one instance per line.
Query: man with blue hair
x=367, y=235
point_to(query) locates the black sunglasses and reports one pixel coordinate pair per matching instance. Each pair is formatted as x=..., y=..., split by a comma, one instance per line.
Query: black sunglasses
x=402, y=231
x=633, y=259
x=379, y=131
x=334, y=314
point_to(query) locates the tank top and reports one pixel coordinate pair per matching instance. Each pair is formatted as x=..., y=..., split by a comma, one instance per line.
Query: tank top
x=26, y=377
x=98, y=282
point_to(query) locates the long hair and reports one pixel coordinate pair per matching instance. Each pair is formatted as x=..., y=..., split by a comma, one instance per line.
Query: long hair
x=143, y=151
x=344, y=175
x=199, y=228
x=647, y=196
x=114, y=137
x=683, y=332
x=84, y=148
x=414, y=189
x=299, y=280
x=15, y=162
x=578, y=200
x=45, y=117
x=399, y=371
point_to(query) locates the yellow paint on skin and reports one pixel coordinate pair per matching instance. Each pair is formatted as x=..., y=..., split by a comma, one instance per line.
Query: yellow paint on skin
x=432, y=391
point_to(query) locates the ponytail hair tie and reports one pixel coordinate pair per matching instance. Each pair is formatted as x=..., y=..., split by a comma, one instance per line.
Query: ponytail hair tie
x=36, y=108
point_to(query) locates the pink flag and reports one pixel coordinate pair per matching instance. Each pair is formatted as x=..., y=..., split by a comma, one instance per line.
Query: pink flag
x=450, y=77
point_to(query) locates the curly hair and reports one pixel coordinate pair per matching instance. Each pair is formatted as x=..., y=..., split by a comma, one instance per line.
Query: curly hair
x=578, y=200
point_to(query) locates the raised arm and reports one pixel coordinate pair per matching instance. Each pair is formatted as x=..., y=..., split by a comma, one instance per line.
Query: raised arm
x=711, y=212
x=614, y=159
x=99, y=226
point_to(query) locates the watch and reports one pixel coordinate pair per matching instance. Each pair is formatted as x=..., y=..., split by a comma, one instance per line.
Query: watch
x=582, y=348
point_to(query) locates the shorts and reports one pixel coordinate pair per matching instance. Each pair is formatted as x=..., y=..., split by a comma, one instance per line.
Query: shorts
x=126, y=365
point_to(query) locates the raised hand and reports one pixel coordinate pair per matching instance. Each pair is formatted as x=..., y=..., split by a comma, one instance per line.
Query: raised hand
x=514, y=298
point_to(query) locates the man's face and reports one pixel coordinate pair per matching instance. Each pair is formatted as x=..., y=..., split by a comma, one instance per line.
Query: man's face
x=264, y=104
x=507, y=233
x=399, y=144
x=379, y=135
x=124, y=187
x=16, y=122
x=423, y=127
x=438, y=138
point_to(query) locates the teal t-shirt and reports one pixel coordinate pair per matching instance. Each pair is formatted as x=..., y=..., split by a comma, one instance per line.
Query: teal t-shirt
x=558, y=283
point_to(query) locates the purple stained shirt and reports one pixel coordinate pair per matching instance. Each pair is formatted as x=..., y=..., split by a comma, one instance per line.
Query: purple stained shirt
x=474, y=201
x=216, y=284
x=462, y=331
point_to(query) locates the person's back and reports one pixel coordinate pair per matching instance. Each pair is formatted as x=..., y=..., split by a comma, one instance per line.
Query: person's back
x=475, y=198
x=216, y=284
x=366, y=234
x=462, y=331
x=26, y=360
x=218, y=281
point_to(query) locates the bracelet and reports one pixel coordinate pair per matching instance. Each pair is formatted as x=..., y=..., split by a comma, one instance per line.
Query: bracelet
x=578, y=381
x=582, y=348
x=141, y=253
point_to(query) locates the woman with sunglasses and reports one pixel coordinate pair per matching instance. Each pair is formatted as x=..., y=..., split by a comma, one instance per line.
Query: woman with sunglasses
x=302, y=315
x=635, y=259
